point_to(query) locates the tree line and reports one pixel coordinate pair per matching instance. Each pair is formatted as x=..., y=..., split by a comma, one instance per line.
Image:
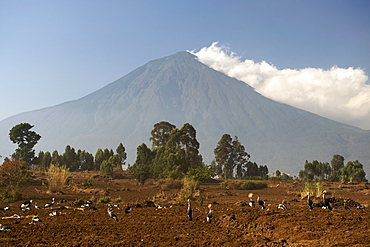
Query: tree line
x=335, y=171
x=232, y=161
x=175, y=154
x=104, y=160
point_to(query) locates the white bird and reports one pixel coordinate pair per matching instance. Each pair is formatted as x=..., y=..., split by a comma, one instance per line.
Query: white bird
x=112, y=215
x=210, y=214
x=6, y=208
x=189, y=211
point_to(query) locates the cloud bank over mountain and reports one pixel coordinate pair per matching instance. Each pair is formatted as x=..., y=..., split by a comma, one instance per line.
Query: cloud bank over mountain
x=341, y=94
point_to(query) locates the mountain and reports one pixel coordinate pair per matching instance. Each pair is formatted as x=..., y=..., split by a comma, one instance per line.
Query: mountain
x=180, y=89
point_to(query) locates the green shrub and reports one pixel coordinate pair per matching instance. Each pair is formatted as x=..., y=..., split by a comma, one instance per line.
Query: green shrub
x=169, y=183
x=104, y=200
x=238, y=185
x=88, y=182
x=224, y=185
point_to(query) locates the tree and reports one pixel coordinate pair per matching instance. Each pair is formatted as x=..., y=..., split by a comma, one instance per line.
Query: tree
x=86, y=161
x=26, y=139
x=71, y=159
x=278, y=173
x=231, y=157
x=337, y=162
x=223, y=153
x=175, y=152
x=240, y=157
x=161, y=133
x=56, y=159
x=141, y=169
x=352, y=172
x=252, y=169
x=99, y=157
x=106, y=167
x=121, y=152
x=45, y=160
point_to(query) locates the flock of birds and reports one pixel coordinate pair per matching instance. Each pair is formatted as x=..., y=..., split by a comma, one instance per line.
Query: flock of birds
x=128, y=209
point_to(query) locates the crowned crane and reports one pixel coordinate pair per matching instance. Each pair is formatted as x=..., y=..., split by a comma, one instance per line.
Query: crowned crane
x=35, y=219
x=260, y=202
x=49, y=204
x=54, y=213
x=4, y=228
x=189, y=211
x=112, y=215
x=251, y=202
x=26, y=205
x=282, y=206
x=309, y=201
x=210, y=214
x=326, y=202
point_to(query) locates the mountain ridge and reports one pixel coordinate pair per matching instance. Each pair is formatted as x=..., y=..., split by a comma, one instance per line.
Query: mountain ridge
x=180, y=89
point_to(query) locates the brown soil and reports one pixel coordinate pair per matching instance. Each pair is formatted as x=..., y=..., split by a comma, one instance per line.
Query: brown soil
x=234, y=222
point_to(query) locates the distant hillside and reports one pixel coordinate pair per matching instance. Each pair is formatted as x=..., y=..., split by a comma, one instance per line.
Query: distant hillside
x=179, y=89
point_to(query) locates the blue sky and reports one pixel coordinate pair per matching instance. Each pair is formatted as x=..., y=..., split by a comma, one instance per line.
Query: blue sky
x=56, y=51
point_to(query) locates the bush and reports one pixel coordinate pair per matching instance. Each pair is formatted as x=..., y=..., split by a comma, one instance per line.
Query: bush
x=169, y=183
x=224, y=185
x=238, y=185
x=57, y=177
x=103, y=200
x=13, y=174
x=88, y=182
x=190, y=190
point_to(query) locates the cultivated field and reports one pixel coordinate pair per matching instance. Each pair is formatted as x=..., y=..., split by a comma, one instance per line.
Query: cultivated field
x=234, y=222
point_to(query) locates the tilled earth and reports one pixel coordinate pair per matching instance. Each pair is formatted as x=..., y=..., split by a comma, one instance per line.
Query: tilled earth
x=234, y=222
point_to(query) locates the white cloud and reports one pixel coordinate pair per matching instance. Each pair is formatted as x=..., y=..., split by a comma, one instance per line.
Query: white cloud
x=340, y=94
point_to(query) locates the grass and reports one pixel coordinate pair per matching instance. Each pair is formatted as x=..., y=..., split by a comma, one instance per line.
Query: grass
x=190, y=190
x=314, y=189
x=57, y=177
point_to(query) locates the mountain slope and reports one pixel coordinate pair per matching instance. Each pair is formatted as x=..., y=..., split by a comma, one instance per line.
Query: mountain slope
x=179, y=89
